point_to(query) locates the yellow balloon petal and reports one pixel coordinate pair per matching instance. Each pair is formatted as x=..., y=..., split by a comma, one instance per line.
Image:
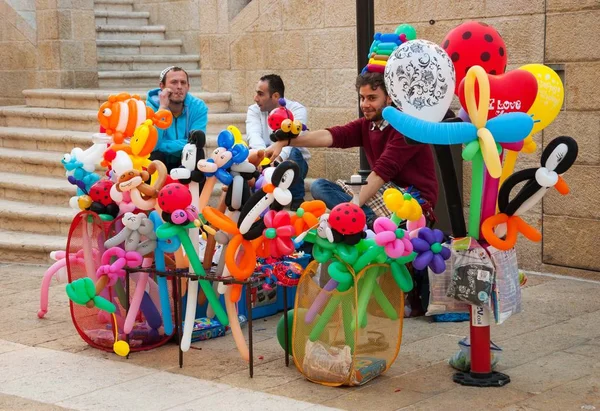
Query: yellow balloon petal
x=265, y=161
x=121, y=348
x=237, y=135
x=489, y=152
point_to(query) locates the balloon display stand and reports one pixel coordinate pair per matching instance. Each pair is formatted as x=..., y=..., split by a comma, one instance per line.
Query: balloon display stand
x=347, y=337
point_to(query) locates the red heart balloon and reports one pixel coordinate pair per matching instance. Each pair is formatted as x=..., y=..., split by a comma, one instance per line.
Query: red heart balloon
x=510, y=92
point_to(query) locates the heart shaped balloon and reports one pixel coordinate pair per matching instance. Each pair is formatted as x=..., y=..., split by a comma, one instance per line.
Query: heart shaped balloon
x=514, y=91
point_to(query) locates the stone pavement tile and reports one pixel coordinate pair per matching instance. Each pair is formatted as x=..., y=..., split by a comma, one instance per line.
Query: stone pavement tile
x=18, y=298
x=29, y=361
x=43, y=334
x=536, y=344
x=581, y=394
x=434, y=349
x=14, y=320
x=564, y=296
x=241, y=399
x=533, y=280
x=11, y=402
x=421, y=328
x=588, y=349
x=550, y=371
x=72, y=343
x=268, y=375
x=407, y=362
x=584, y=325
x=471, y=398
x=30, y=283
x=77, y=375
x=6, y=346
x=157, y=391
x=305, y=390
x=530, y=319
x=17, y=270
x=432, y=380
x=383, y=393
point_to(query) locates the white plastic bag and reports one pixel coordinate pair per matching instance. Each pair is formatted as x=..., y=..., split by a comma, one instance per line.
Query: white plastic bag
x=506, y=297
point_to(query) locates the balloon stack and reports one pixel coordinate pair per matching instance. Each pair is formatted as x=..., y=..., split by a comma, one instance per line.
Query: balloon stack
x=500, y=112
x=282, y=121
x=384, y=45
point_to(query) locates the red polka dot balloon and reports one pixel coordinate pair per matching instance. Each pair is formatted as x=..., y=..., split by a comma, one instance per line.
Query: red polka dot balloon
x=475, y=44
x=100, y=192
x=174, y=196
x=347, y=219
x=277, y=115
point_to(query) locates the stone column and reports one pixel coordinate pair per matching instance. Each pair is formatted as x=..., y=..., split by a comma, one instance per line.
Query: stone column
x=66, y=42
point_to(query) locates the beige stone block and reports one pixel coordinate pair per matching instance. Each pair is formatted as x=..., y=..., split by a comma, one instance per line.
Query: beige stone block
x=47, y=25
x=234, y=82
x=181, y=15
x=569, y=5
x=341, y=90
x=223, y=19
x=299, y=14
x=393, y=12
x=332, y=48
x=45, y=4
x=529, y=254
x=16, y=81
x=317, y=164
x=191, y=40
x=252, y=78
x=4, y=101
x=287, y=50
x=65, y=31
x=67, y=79
x=207, y=16
x=90, y=58
x=48, y=55
x=83, y=24
x=269, y=19
x=86, y=79
x=219, y=55
x=572, y=44
x=320, y=118
x=583, y=127
x=244, y=19
x=305, y=86
x=583, y=197
x=19, y=56
x=71, y=54
x=75, y=4
x=248, y=52
x=340, y=13
x=570, y=242
x=341, y=163
x=570, y=272
x=582, y=86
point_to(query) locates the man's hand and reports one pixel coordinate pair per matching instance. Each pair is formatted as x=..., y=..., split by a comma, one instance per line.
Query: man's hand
x=273, y=151
x=164, y=98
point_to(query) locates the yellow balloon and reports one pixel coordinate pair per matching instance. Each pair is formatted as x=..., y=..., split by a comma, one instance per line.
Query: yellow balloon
x=550, y=96
x=237, y=135
x=265, y=161
x=121, y=348
x=84, y=202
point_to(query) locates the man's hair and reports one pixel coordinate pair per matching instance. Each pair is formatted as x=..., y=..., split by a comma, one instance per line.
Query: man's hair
x=163, y=74
x=275, y=84
x=375, y=80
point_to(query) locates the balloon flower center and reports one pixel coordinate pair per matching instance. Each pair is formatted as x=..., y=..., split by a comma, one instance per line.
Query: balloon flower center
x=436, y=248
x=300, y=212
x=399, y=233
x=270, y=233
x=407, y=196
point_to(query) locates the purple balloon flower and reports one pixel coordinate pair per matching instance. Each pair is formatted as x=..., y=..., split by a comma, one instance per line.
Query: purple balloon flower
x=429, y=249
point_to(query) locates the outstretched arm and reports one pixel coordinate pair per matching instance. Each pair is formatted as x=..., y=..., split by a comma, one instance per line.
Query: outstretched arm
x=319, y=138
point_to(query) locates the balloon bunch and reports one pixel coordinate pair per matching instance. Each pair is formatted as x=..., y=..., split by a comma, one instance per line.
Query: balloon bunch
x=282, y=121
x=384, y=45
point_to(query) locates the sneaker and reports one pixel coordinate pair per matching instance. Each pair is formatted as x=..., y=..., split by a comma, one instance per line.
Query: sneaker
x=296, y=203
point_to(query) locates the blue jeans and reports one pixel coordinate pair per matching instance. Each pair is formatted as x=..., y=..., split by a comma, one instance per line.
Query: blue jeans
x=297, y=189
x=332, y=194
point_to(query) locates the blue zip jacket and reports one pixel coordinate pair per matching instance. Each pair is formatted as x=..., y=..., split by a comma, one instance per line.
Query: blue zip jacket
x=193, y=117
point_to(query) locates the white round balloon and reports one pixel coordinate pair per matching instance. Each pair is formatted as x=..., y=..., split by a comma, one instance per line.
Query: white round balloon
x=420, y=79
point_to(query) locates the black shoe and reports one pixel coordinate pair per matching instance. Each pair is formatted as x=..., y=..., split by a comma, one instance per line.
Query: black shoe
x=296, y=203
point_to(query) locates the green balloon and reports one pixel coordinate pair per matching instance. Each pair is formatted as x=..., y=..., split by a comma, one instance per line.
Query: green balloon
x=281, y=327
x=408, y=30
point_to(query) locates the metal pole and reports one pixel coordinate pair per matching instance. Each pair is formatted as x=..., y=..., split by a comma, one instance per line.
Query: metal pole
x=365, y=30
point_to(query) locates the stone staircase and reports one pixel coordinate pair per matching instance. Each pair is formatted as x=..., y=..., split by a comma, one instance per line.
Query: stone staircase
x=34, y=193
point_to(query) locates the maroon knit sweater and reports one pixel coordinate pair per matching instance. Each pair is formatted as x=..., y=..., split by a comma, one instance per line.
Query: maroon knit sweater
x=390, y=157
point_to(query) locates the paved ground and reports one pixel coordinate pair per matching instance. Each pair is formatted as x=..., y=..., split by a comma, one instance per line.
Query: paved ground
x=551, y=352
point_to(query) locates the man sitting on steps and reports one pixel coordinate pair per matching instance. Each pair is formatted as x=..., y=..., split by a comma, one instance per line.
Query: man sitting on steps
x=189, y=113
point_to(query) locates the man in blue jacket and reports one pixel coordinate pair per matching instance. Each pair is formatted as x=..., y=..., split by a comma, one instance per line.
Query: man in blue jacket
x=189, y=113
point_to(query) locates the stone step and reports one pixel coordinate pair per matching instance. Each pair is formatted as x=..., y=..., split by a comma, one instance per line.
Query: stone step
x=37, y=163
x=138, y=79
x=18, y=247
x=127, y=47
x=135, y=62
x=62, y=141
x=32, y=218
x=36, y=190
x=86, y=120
x=92, y=98
x=113, y=5
x=110, y=32
x=122, y=18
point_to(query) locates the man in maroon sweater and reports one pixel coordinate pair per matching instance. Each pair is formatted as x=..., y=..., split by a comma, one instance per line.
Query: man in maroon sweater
x=394, y=163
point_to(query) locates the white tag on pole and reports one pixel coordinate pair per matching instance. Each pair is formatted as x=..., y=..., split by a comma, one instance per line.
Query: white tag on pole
x=480, y=316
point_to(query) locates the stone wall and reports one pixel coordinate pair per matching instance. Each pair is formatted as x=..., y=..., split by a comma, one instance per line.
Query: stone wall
x=48, y=43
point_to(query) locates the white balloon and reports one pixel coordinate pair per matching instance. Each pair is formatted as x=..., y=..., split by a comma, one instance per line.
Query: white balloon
x=121, y=163
x=420, y=79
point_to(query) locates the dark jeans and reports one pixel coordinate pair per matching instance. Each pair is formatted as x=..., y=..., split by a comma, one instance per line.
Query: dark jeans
x=332, y=194
x=169, y=160
x=297, y=189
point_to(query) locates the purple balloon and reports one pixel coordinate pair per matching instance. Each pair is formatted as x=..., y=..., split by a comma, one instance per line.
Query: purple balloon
x=423, y=259
x=71, y=179
x=420, y=245
x=438, y=235
x=463, y=115
x=426, y=234
x=437, y=264
x=446, y=253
